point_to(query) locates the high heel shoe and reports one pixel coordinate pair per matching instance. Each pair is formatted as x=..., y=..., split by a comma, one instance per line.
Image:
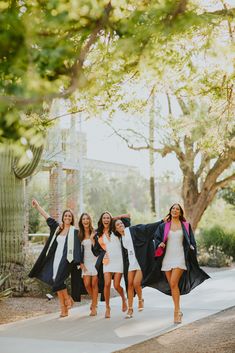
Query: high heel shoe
x=107, y=312
x=129, y=314
x=93, y=310
x=63, y=311
x=141, y=305
x=178, y=317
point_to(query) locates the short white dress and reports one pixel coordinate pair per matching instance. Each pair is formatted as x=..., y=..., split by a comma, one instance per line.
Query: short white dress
x=128, y=244
x=114, y=252
x=174, y=256
x=58, y=253
x=89, y=259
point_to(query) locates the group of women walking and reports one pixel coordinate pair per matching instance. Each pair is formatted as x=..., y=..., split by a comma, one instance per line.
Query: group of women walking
x=160, y=255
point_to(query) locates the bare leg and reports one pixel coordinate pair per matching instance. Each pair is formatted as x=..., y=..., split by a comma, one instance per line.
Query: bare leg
x=107, y=285
x=137, y=285
x=119, y=289
x=175, y=292
x=87, y=284
x=63, y=307
x=173, y=278
x=130, y=293
x=67, y=298
x=95, y=290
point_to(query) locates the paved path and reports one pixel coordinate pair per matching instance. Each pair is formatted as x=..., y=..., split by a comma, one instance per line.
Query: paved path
x=80, y=333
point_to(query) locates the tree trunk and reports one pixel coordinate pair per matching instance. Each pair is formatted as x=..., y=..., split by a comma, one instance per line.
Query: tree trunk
x=12, y=183
x=194, y=208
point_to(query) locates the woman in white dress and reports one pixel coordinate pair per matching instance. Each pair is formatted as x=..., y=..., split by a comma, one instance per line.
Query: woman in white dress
x=59, y=256
x=109, y=250
x=89, y=272
x=134, y=270
x=138, y=241
x=176, y=257
x=173, y=263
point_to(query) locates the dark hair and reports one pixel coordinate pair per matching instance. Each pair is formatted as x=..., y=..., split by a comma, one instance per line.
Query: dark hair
x=181, y=217
x=115, y=232
x=81, y=233
x=100, y=228
x=71, y=212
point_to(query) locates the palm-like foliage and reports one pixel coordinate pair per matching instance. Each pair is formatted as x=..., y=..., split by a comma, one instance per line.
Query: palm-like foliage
x=6, y=292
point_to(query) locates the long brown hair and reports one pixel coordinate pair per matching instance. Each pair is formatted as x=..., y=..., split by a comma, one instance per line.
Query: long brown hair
x=115, y=232
x=62, y=218
x=71, y=212
x=181, y=216
x=81, y=233
x=100, y=228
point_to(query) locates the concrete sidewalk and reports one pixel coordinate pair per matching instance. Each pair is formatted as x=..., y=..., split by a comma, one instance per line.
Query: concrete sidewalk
x=83, y=334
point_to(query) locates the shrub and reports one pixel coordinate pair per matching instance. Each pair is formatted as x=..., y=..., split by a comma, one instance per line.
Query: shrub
x=213, y=257
x=219, y=238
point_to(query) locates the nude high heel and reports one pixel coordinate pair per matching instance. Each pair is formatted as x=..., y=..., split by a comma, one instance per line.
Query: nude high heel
x=140, y=304
x=129, y=314
x=178, y=317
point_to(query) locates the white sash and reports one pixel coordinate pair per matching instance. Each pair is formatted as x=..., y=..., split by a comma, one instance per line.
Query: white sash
x=70, y=243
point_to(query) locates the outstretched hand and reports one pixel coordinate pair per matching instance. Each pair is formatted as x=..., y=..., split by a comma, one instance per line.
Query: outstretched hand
x=35, y=204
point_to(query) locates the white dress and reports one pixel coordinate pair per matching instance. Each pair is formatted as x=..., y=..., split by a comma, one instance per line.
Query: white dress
x=89, y=259
x=114, y=252
x=128, y=244
x=58, y=254
x=174, y=256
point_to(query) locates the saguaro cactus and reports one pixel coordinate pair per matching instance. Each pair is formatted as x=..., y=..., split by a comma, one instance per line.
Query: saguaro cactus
x=12, y=183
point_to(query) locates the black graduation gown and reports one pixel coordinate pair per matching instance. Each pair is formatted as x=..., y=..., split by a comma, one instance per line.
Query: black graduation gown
x=43, y=268
x=77, y=284
x=190, y=279
x=143, y=242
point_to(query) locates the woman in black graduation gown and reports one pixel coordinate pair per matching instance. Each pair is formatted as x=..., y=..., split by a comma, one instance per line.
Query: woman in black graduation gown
x=176, y=270
x=138, y=241
x=59, y=255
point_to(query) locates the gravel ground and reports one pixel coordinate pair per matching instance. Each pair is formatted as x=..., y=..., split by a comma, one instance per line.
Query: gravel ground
x=14, y=309
x=214, y=334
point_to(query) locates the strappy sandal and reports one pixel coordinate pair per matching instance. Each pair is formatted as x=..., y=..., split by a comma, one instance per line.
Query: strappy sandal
x=140, y=304
x=129, y=314
x=178, y=317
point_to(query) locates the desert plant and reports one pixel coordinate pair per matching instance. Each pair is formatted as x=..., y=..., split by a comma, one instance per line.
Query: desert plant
x=12, y=212
x=5, y=292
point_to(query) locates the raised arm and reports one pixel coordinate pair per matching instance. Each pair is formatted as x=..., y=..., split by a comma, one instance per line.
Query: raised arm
x=125, y=215
x=36, y=205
